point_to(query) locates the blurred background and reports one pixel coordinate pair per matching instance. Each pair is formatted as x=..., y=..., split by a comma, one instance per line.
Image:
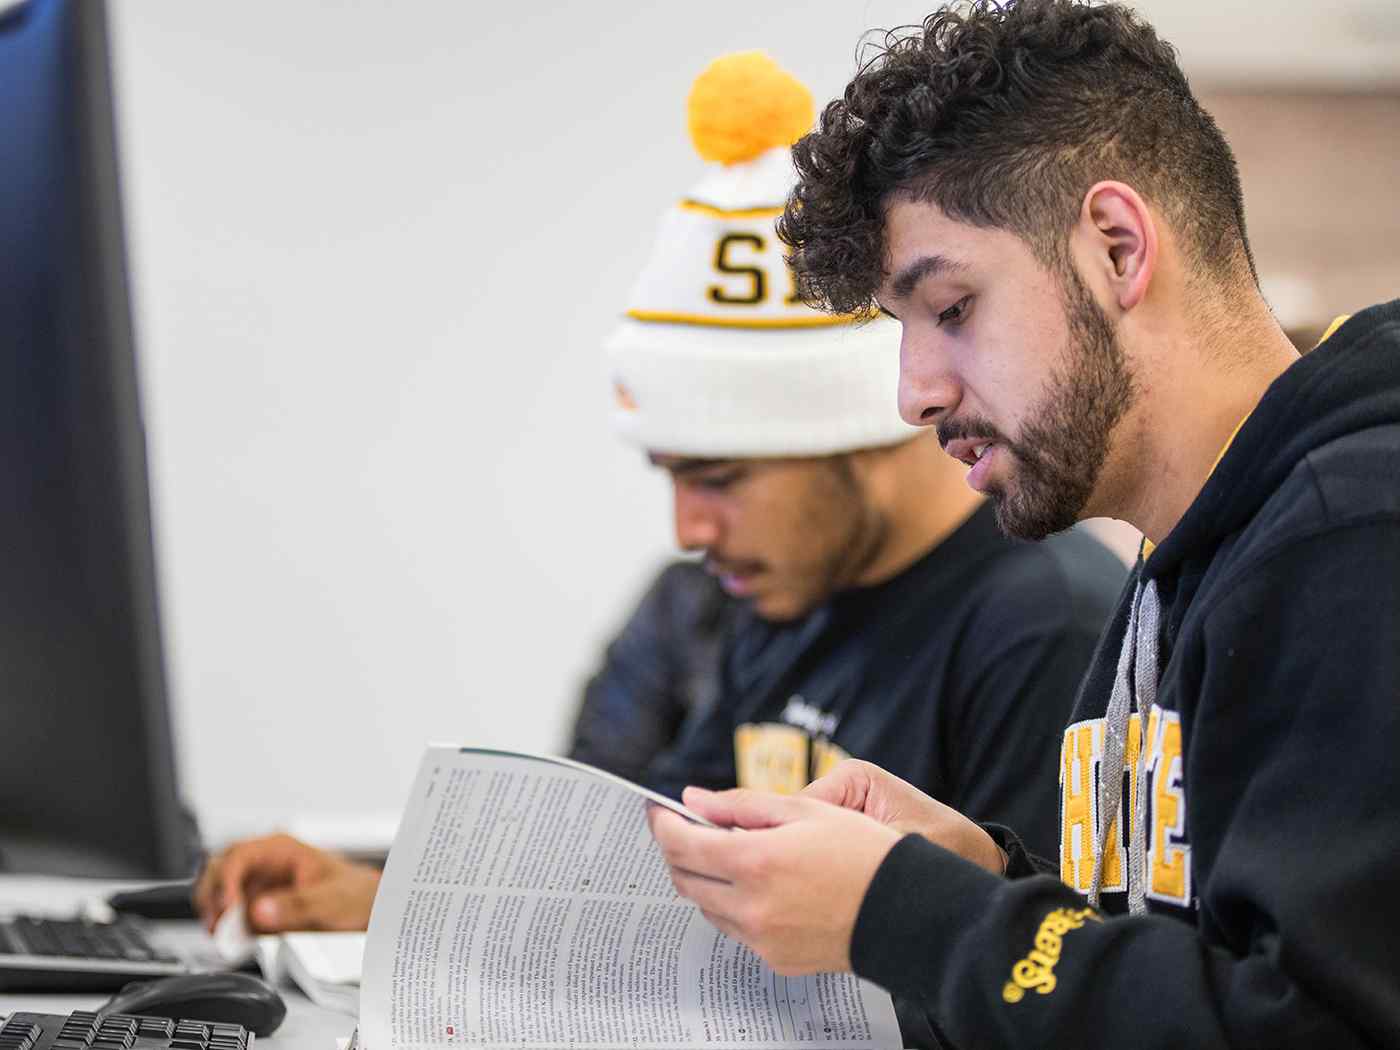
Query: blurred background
x=375, y=249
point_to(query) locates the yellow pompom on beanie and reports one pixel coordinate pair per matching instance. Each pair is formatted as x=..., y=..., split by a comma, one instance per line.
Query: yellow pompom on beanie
x=745, y=104
x=715, y=355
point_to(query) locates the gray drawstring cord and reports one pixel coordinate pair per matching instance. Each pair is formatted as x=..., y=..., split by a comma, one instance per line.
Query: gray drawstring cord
x=1134, y=689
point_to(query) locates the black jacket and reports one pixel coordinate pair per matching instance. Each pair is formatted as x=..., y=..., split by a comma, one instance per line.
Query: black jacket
x=1273, y=787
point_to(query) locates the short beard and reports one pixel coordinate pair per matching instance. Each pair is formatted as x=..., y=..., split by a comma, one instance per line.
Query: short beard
x=1062, y=447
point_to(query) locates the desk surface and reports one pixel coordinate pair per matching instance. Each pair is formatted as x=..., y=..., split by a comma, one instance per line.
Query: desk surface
x=307, y=1027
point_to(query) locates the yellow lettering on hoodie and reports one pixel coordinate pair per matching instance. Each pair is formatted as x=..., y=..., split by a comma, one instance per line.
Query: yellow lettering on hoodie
x=1077, y=764
x=1171, y=875
x=1081, y=761
x=1115, y=871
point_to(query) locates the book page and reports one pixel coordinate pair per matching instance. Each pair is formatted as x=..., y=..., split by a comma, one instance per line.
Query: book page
x=525, y=904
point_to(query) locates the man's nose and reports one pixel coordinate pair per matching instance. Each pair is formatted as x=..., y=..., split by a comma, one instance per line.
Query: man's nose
x=697, y=522
x=928, y=389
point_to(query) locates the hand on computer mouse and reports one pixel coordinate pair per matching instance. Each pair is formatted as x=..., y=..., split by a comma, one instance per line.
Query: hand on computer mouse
x=286, y=885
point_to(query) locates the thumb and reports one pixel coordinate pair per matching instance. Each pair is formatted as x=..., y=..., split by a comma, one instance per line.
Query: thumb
x=849, y=785
x=279, y=911
x=838, y=788
x=744, y=807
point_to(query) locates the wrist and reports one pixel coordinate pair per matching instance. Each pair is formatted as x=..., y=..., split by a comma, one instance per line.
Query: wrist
x=989, y=855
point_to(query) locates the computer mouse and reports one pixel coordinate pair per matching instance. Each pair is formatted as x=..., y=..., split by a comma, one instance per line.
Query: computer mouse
x=222, y=998
x=164, y=900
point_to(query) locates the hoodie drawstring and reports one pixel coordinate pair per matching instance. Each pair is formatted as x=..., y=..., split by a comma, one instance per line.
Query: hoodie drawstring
x=1134, y=689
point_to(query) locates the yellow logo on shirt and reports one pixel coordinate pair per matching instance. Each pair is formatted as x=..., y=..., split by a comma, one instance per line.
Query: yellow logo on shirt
x=770, y=756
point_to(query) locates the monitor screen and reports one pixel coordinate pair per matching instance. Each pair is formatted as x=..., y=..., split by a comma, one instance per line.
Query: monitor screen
x=87, y=780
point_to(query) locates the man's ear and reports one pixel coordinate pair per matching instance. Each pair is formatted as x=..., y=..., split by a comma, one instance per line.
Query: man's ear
x=1119, y=236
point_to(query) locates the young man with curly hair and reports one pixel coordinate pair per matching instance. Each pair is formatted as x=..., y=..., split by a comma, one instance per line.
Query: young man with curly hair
x=1035, y=194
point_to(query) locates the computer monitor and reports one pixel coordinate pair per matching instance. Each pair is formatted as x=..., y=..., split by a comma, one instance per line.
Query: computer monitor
x=87, y=778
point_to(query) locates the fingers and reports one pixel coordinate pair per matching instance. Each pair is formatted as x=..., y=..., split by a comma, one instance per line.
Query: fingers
x=279, y=911
x=723, y=924
x=743, y=807
x=690, y=847
x=203, y=893
x=710, y=895
x=847, y=786
x=251, y=865
x=342, y=901
x=229, y=886
x=715, y=897
x=219, y=885
x=791, y=892
x=717, y=853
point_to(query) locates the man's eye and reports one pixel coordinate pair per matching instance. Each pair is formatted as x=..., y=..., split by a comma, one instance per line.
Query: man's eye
x=954, y=314
x=717, y=482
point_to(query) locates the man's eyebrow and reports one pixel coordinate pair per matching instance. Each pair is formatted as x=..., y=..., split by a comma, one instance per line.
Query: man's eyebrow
x=925, y=266
x=684, y=466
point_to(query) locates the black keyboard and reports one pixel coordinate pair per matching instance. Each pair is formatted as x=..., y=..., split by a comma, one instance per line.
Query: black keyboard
x=85, y=1030
x=77, y=955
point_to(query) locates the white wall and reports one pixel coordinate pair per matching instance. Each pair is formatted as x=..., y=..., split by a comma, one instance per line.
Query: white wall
x=375, y=249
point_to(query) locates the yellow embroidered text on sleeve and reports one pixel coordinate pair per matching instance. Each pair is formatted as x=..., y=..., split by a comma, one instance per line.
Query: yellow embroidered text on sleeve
x=1037, y=969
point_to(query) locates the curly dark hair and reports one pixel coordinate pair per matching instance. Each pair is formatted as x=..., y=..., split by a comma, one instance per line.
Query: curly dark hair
x=1003, y=116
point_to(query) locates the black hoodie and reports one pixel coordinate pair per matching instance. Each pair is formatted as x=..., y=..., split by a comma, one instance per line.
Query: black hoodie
x=1270, y=801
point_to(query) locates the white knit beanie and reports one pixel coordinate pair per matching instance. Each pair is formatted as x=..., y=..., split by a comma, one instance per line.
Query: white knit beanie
x=716, y=357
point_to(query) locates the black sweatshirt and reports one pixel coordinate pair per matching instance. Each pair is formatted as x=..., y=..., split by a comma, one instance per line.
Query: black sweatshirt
x=1273, y=783
x=945, y=674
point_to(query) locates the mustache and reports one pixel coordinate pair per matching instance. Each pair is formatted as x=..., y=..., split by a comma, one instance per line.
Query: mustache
x=718, y=565
x=971, y=429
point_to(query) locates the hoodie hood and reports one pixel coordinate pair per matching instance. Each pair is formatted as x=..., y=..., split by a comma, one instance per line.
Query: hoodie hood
x=1348, y=384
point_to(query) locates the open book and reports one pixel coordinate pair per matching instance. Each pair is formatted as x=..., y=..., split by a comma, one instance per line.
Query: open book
x=525, y=904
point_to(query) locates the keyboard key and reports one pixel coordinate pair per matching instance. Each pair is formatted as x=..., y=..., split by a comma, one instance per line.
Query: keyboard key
x=19, y=1036
x=84, y=1030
